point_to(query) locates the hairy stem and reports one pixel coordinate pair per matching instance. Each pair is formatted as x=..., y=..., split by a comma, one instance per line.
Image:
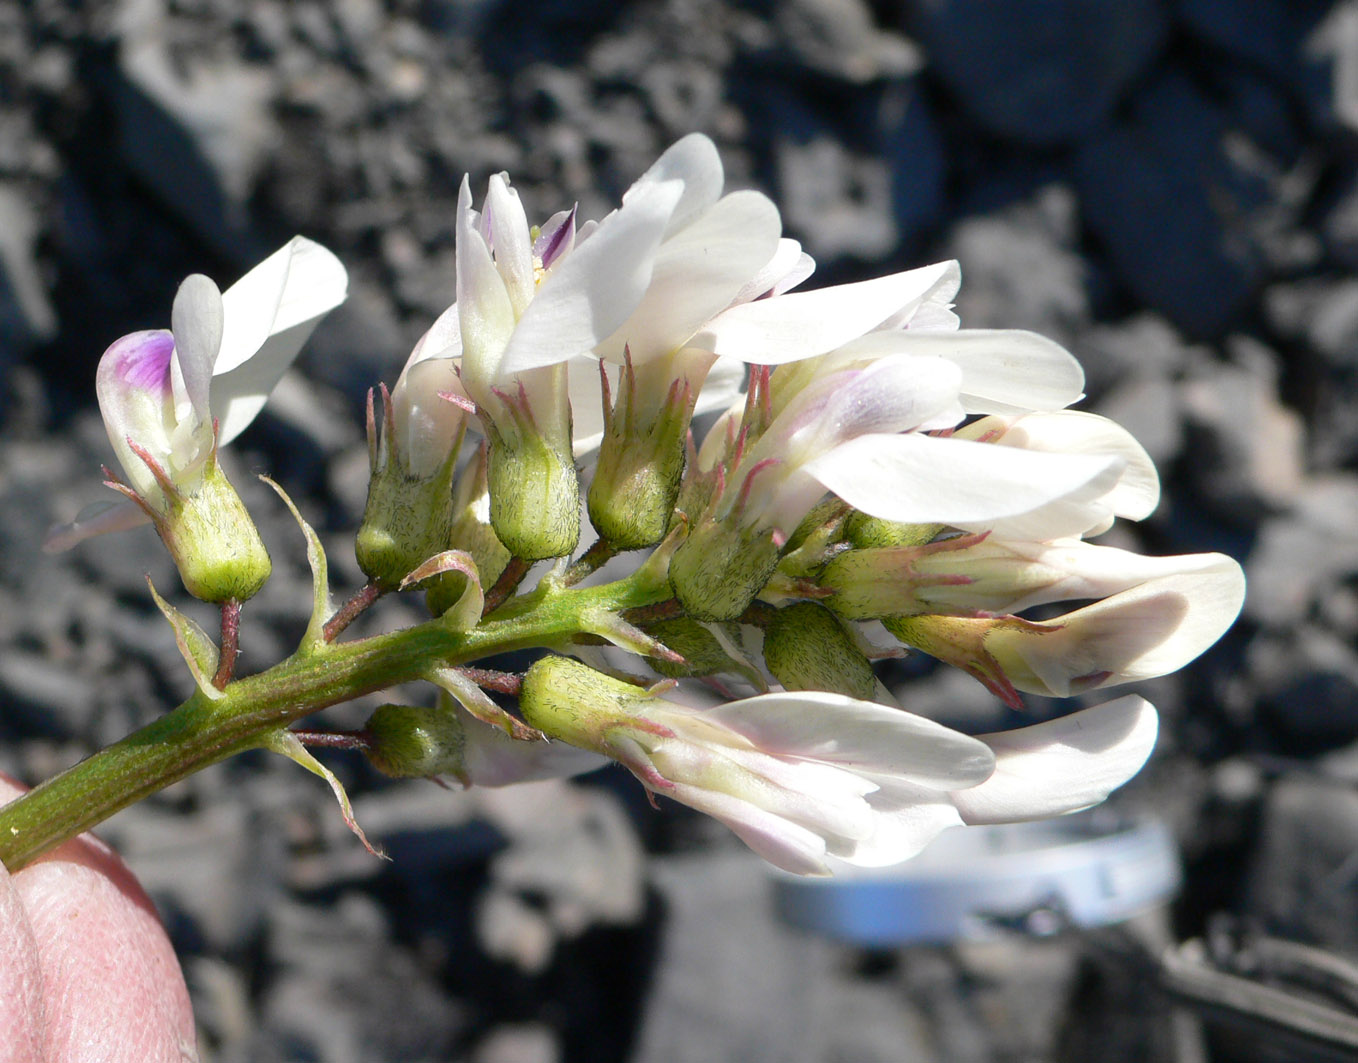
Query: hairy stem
x=204, y=730
x=230, y=650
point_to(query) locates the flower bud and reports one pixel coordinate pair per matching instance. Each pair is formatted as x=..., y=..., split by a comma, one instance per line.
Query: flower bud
x=412, y=741
x=641, y=464
x=864, y=530
x=471, y=533
x=534, y=496
x=406, y=522
x=806, y=647
x=703, y=652
x=415, y=741
x=212, y=539
x=721, y=567
x=568, y=700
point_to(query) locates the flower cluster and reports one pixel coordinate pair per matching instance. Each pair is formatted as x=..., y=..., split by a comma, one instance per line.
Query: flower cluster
x=871, y=466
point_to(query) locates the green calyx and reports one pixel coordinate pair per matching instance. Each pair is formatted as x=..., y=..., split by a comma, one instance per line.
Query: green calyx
x=214, y=541
x=406, y=522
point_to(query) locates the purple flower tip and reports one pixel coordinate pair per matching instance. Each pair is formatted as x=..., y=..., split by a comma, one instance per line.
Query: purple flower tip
x=554, y=239
x=142, y=359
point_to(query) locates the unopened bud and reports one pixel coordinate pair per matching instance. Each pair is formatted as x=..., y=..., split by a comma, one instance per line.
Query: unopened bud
x=213, y=540
x=806, y=647
x=534, y=496
x=471, y=533
x=865, y=532
x=405, y=523
x=415, y=741
x=720, y=568
x=570, y=701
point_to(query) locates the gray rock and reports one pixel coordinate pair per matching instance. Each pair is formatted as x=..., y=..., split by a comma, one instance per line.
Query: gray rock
x=838, y=202
x=1301, y=883
x=1246, y=446
x=1046, y=73
x=1196, y=263
x=1019, y=268
x=735, y=984
x=1304, y=554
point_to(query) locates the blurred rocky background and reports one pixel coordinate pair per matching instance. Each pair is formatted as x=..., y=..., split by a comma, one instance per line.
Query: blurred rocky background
x=1169, y=187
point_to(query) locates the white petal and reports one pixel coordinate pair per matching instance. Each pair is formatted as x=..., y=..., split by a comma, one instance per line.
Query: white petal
x=1137, y=492
x=269, y=314
x=790, y=327
x=429, y=425
x=1102, y=571
x=934, y=312
x=919, y=479
x=587, y=411
x=443, y=340
x=1148, y=631
x=694, y=165
x=911, y=822
x=510, y=240
x=298, y=284
x=724, y=383
x=788, y=267
x=860, y=736
x=1003, y=371
x=698, y=271
x=196, y=322
x=1062, y=765
x=596, y=287
x=484, y=308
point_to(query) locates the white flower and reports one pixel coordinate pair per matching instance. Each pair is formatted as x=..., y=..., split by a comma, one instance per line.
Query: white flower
x=808, y=776
x=1149, y=630
x=986, y=574
x=170, y=397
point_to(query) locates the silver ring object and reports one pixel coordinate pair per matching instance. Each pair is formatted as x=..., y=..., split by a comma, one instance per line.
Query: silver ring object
x=979, y=883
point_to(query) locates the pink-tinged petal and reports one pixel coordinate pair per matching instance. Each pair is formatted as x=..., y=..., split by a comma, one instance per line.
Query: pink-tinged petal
x=136, y=398
x=1062, y=765
x=694, y=165
x=920, y=479
x=510, y=238
x=595, y=288
x=858, y=736
x=269, y=314
x=1002, y=371
x=1137, y=491
x=97, y=519
x=788, y=328
x=783, y=844
x=893, y=395
x=196, y=321
x=1142, y=633
x=698, y=271
x=484, y=306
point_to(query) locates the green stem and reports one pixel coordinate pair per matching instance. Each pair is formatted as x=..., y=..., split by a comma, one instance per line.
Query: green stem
x=204, y=730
